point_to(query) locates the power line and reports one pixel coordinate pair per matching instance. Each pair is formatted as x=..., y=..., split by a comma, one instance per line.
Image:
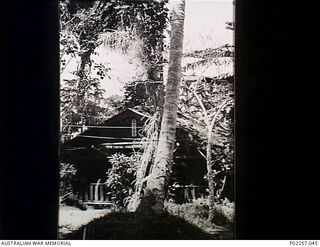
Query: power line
x=121, y=138
x=107, y=137
x=100, y=127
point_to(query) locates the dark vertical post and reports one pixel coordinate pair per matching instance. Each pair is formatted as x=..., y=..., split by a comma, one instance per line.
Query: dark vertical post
x=86, y=196
x=101, y=192
x=91, y=192
x=193, y=192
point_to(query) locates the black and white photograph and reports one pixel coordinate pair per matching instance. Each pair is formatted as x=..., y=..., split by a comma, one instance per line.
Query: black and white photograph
x=158, y=120
x=146, y=120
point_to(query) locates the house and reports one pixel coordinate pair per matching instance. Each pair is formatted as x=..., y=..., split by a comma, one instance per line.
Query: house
x=89, y=152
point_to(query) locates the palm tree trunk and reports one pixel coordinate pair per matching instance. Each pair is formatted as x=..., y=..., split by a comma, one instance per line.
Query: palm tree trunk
x=157, y=182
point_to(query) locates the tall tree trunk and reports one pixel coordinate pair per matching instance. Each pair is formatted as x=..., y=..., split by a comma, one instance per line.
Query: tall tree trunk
x=157, y=182
x=83, y=74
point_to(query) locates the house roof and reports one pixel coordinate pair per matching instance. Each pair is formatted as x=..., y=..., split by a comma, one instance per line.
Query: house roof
x=143, y=114
x=114, y=129
x=111, y=132
x=135, y=111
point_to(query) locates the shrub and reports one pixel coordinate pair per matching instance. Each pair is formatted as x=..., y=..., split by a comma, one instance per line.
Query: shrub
x=66, y=192
x=67, y=174
x=121, y=176
x=72, y=201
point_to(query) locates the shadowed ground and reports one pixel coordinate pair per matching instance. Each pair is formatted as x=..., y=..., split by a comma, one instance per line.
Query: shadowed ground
x=133, y=226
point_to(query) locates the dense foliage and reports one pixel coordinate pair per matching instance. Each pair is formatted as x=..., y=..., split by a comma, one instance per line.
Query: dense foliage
x=121, y=176
x=206, y=110
x=67, y=175
x=197, y=213
x=83, y=28
x=151, y=19
x=82, y=98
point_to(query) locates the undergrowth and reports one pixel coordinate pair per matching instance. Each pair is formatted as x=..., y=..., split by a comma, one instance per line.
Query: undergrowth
x=197, y=212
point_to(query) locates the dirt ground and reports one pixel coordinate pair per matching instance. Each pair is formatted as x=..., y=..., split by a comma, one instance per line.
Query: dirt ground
x=71, y=219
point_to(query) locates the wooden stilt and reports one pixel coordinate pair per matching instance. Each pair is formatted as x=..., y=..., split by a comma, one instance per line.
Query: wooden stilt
x=193, y=192
x=101, y=193
x=91, y=192
x=86, y=196
x=186, y=194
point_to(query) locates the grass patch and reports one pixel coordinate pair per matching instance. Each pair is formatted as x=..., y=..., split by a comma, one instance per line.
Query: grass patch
x=134, y=226
x=197, y=213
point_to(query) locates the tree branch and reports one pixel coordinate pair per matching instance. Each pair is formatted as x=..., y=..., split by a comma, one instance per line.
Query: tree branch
x=202, y=154
x=206, y=117
x=217, y=113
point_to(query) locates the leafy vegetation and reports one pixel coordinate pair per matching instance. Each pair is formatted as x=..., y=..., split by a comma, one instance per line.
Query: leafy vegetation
x=67, y=175
x=197, y=213
x=121, y=176
x=67, y=194
x=206, y=110
x=87, y=25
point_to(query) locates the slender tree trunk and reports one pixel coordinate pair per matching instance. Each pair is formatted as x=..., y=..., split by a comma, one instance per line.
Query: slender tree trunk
x=157, y=182
x=211, y=174
x=210, y=177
